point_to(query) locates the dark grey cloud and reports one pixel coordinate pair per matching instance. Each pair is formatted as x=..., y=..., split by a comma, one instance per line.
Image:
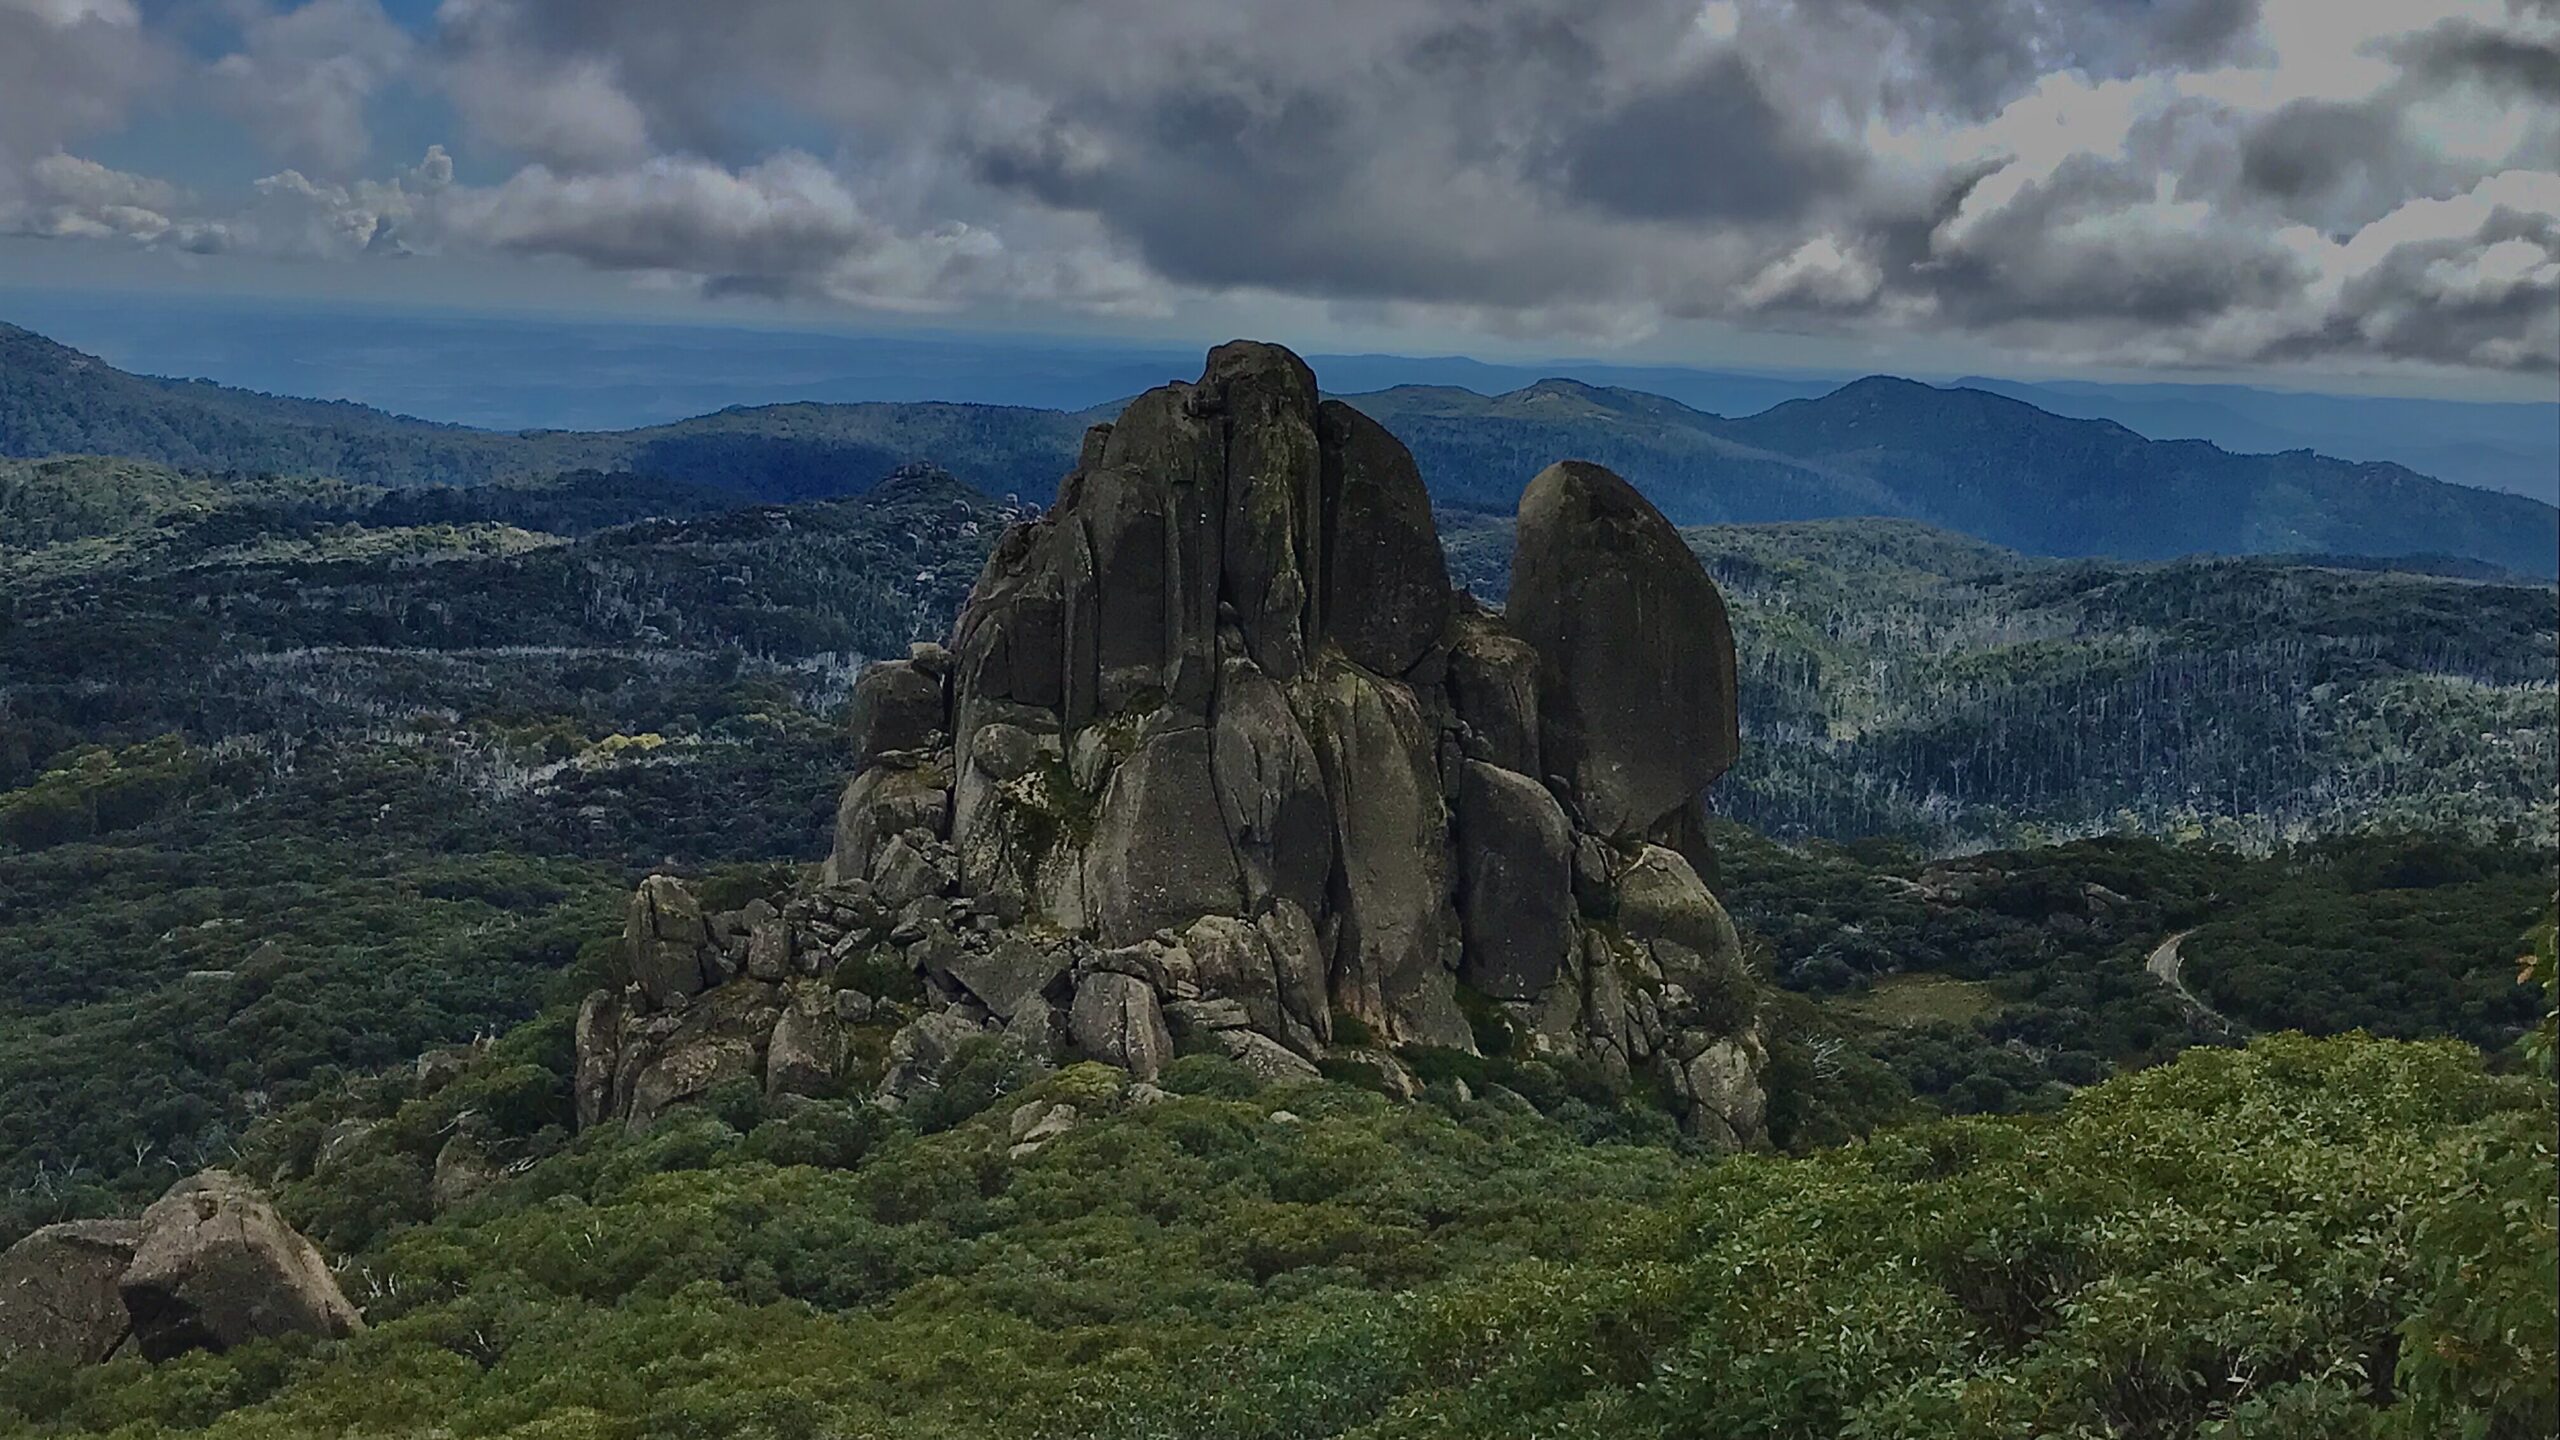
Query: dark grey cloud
x=2340, y=165
x=2460, y=50
x=1712, y=145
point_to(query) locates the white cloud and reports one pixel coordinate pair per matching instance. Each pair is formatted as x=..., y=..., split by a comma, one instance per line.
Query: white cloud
x=567, y=112
x=788, y=225
x=303, y=79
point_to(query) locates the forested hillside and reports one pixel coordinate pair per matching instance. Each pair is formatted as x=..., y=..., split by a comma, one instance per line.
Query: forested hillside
x=1901, y=680
x=213, y=681
x=1221, y=1259
x=304, y=779
x=56, y=401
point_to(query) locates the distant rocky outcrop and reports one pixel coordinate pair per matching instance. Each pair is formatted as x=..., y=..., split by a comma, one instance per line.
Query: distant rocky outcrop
x=1216, y=760
x=208, y=1266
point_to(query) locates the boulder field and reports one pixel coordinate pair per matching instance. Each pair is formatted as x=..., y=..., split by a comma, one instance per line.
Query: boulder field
x=1216, y=760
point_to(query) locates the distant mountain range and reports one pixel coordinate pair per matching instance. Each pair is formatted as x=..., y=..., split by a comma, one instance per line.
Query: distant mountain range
x=2496, y=446
x=1966, y=459
x=588, y=372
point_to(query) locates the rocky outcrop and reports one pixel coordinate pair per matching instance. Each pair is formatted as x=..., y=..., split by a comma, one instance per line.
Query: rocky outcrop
x=1119, y=1020
x=215, y=1266
x=666, y=944
x=208, y=1266
x=1515, y=853
x=1636, y=692
x=58, y=1291
x=897, y=706
x=1217, y=762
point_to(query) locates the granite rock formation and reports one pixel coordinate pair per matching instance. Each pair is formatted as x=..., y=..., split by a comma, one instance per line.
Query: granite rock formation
x=58, y=1295
x=208, y=1266
x=1216, y=760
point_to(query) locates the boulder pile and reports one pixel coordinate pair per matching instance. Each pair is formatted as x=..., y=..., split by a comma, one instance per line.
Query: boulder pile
x=1217, y=760
x=208, y=1266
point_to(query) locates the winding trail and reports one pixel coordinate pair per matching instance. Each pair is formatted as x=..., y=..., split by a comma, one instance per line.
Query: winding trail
x=2164, y=966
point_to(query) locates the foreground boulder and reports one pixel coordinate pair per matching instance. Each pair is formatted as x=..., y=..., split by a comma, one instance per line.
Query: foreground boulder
x=209, y=1266
x=1217, y=762
x=217, y=1267
x=58, y=1295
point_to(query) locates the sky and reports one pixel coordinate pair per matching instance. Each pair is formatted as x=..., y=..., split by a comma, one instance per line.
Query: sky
x=2314, y=193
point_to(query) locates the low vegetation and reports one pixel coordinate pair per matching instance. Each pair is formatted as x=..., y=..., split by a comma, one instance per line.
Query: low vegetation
x=1316, y=1261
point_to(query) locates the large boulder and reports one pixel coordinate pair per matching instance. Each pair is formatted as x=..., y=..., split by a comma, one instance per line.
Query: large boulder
x=1160, y=856
x=1179, y=443
x=1515, y=883
x=1273, y=560
x=666, y=943
x=1010, y=975
x=1009, y=816
x=922, y=1055
x=1493, y=685
x=896, y=706
x=1270, y=789
x=1010, y=644
x=1264, y=969
x=463, y=1170
x=58, y=1291
x=879, y=805
x=1728, y=1106
x=677, y=1060
x=1118, y=1019
x=216, y=1267
x=1386, y=579
x=1392, y=964
x=806, y=1052
x=1152, y=635
x=1662, y=900
x=1637, y=695
x=598, y=1039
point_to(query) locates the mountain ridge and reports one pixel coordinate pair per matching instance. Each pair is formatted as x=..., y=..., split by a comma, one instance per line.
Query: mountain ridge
x=1974, y=460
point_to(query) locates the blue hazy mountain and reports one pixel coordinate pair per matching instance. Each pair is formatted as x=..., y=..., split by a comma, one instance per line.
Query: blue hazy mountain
x=547, y=373
x=1985, y=464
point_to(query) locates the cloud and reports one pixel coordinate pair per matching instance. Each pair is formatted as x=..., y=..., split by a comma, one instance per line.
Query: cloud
x=65, y=197
x=2177, y=181
x=68, y=68
x=303, y=79
x=566, y=112
x=788, y=226
x=293, y=215
x=1710, y=145
x=2458, y=51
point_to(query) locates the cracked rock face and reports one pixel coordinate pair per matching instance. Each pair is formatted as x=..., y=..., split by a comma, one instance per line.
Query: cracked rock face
x=1217, y=760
